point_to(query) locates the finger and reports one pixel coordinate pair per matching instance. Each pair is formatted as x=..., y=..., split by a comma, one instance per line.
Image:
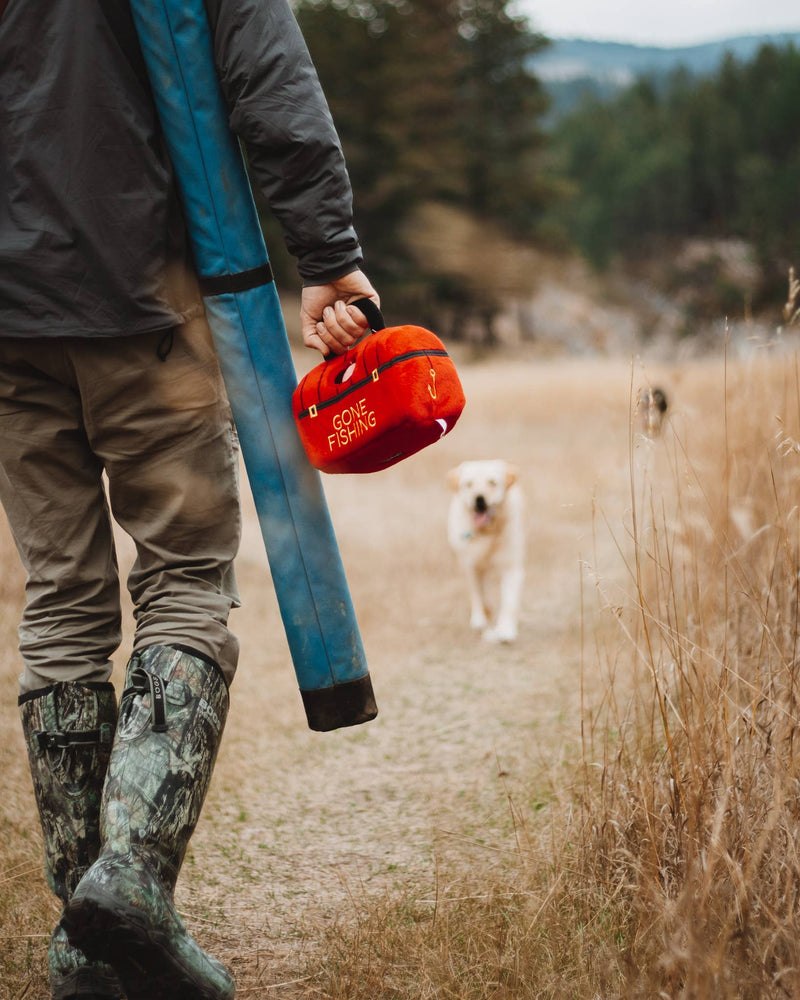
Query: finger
x=340, y=333
x=350, y=319
x=332, y=320
x=360, y=320
x=315, y=336
x=316, y=343
x=333, y=344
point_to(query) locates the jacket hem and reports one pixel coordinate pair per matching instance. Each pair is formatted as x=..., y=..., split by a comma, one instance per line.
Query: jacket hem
x=46, y=331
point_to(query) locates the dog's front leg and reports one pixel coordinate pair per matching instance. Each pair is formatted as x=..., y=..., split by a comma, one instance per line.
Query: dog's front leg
x=478, y=618
x=505, y=630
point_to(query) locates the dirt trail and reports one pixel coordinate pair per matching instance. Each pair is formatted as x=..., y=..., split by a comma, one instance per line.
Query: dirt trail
x=301, y=827
x=300, y=823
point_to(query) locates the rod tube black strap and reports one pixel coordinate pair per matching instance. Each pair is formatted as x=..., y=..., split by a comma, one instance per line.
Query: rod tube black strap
x=242, y=281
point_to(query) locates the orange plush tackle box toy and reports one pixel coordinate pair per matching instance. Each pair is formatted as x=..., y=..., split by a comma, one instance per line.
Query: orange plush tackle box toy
x=393, y=393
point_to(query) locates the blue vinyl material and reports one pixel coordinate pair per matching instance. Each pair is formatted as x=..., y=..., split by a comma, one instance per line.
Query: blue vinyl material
x=250, y=337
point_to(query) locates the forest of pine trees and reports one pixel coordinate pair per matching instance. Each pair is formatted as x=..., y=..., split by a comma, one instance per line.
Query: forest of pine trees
x=436, y=104
x=717, y=157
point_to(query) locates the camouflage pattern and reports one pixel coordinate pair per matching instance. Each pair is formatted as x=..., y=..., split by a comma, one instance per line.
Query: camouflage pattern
x=172, y=715
x=74, y=977
x=124, y=915
x=160, y=779
x=68, y=731
x=68, y=776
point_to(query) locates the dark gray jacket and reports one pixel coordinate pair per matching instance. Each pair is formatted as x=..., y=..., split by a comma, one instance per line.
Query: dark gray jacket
x=92, y=241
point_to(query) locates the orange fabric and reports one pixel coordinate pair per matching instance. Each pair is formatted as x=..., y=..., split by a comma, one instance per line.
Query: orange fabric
x=397, y=391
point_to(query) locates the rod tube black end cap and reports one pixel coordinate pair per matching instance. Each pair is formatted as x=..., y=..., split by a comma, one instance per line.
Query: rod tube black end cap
x=346, y=704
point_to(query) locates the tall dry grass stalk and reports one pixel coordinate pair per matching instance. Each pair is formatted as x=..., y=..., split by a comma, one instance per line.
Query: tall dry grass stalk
x=28, y=909
x=697, y=804
x=668, y=866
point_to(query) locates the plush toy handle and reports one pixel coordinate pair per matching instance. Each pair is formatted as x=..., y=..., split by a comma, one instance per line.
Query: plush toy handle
x=371, y=312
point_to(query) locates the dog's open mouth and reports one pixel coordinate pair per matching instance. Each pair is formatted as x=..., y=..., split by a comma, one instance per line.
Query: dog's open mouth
x=481, y=513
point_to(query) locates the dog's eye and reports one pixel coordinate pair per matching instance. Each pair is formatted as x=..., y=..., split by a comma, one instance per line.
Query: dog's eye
x=493, y=482
x=468, y=484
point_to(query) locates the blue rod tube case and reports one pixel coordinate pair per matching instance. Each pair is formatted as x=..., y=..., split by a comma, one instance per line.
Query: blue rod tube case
x=250, y=336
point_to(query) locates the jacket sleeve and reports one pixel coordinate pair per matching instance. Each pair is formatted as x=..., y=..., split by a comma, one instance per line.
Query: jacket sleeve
x=277, y=108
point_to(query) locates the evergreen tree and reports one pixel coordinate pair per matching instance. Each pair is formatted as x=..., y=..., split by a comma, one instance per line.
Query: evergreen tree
x=500, y=105
x=434, y=102
x=716, y=157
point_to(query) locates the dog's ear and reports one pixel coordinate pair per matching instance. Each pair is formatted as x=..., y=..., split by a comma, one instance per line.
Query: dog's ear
x=512, y=473
x=454, y=478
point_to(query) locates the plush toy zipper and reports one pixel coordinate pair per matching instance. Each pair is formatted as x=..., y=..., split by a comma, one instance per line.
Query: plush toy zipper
x=374, y=375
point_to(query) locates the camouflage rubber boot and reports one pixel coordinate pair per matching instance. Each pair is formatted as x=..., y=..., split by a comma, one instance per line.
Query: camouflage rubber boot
x=172, y=715
x=68, y=730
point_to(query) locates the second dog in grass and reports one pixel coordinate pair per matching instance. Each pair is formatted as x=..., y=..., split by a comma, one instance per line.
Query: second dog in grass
x=485, y=527
x=652, y=407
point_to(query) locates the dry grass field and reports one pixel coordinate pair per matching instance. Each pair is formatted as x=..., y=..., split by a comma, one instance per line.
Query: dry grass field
x=607, y=808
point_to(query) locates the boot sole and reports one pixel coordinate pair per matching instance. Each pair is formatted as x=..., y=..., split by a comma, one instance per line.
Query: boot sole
x=86, y=985
x=107, y=930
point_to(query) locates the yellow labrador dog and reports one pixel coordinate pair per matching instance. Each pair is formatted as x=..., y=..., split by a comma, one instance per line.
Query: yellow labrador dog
x=486, y=529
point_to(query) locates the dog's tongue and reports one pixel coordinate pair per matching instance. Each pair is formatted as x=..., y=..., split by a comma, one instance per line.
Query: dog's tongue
x=480, y=518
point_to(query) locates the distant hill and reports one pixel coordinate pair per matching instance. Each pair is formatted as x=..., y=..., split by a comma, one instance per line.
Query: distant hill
x=572, y=67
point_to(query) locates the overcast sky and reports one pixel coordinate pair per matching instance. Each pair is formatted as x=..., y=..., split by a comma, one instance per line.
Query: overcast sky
x=660, y=22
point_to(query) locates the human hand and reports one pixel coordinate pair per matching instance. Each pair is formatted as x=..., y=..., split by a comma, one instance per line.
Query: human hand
x=328, y=322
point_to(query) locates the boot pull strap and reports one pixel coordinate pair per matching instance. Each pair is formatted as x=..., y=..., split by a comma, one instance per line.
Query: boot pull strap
x=143, y=682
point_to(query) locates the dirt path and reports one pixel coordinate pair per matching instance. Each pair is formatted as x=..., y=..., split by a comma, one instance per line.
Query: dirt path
x=299, y=824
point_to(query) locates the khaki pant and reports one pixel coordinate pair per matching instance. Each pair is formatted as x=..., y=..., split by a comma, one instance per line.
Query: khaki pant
x=161, y=430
